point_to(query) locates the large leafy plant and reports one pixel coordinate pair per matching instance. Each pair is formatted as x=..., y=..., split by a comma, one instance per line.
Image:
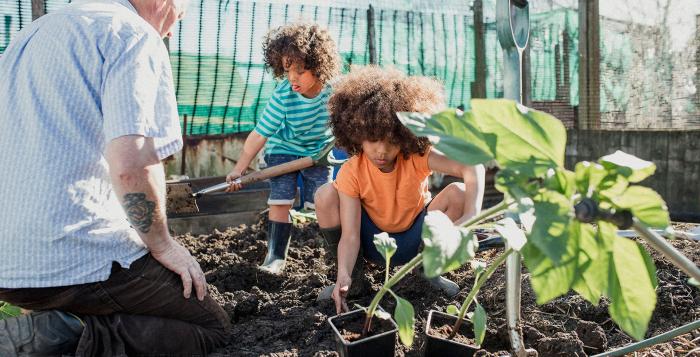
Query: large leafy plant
x=562, y=253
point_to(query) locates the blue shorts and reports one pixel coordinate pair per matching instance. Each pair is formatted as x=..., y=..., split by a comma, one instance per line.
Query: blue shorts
x=408, y=242
x=283, y=188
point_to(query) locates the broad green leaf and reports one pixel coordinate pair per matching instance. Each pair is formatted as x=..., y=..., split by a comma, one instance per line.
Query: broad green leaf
x=645, y=204
x=631, y=289
x=550, y=232
x=452, y=310
x=612, y=186
x=385, y=245
x=526, y=213
x=479, y=322
x=454, y=135
x=561, y=180
x=446, y=247
x=588, y=176
x=404, y=316
x=516, y=183
x=511, y=233
x=593, y=260
x=520, y=136
x=630, y=166
x=549, y=279
x=7, y=310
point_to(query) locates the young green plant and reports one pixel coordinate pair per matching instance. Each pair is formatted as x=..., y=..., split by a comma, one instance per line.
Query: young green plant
x=446, y=248
x=562, y=253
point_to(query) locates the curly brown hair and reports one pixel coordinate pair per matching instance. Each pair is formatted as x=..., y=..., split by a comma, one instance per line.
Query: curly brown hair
x=303, y=43
x=364, y=103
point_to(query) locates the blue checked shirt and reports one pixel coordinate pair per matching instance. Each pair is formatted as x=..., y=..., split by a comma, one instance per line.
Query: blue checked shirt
x=69, y=83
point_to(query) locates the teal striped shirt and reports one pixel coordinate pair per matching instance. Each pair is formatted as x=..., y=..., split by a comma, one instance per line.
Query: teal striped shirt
x=294, y=124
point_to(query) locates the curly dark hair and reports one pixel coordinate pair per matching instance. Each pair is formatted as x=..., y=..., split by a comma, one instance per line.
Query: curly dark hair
x=303, y=43
x=364, y=103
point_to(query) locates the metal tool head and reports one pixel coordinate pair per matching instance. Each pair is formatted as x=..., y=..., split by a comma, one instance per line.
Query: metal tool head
x=325, y=156
x=180, y=199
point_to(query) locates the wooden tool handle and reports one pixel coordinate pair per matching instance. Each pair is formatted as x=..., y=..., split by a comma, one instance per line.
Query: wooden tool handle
x=274, y=171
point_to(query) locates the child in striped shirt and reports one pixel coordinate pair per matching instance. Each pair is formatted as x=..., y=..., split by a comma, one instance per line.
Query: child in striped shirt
x=293, y=125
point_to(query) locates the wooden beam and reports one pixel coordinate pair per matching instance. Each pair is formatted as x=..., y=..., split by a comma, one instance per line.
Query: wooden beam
x=371, y=37
x=589, y=64
x=480, y=70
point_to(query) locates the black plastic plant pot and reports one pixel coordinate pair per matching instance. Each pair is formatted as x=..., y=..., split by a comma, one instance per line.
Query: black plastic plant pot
x=439, y=346
x=381, y=342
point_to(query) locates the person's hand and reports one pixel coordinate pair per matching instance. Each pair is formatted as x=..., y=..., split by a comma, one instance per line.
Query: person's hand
x=340, y=293
x=231, y=178
x=178, y=259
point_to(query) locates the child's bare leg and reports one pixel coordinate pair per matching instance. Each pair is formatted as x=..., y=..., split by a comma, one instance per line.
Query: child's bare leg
x=279, y=213
x=327, y=206
x=450, y=201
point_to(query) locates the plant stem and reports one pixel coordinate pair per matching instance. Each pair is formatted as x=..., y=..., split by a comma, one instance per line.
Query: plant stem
x=385, y=288
x=386, y=271
x=488, y=213
x=477, y=285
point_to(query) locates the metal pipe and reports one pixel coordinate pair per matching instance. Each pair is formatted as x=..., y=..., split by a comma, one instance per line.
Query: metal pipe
x=652, y=341
x=513, y=26
x=666, y=249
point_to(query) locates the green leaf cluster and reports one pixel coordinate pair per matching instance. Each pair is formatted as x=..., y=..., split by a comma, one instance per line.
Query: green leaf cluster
x=561, y=253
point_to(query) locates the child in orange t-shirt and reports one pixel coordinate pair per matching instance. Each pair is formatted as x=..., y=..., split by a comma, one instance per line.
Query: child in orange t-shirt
x=383, y=187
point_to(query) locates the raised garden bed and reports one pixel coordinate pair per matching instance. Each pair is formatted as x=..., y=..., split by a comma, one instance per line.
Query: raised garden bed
x=279, y=314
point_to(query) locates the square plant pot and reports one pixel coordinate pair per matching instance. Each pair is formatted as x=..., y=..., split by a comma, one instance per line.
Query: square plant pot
x=382, y=343
x=441, y=346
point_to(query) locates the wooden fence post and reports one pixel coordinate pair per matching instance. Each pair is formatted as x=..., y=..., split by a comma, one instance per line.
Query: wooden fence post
x=589, y=65
x=480, y=70
x=371, y=37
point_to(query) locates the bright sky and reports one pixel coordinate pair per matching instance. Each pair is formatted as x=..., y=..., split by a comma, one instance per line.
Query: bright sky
x=682, y=14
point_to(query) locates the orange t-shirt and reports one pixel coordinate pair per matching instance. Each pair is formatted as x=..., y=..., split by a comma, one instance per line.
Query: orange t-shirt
x=392, y=199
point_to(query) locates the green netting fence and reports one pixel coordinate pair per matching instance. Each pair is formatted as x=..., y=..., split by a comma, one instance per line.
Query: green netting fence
x=222, y=86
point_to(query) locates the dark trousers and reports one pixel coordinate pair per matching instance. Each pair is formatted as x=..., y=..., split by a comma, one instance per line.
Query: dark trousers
x=138, y=311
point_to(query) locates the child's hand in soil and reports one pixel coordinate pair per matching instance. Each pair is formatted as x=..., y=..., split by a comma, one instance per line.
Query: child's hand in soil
x=340, y=293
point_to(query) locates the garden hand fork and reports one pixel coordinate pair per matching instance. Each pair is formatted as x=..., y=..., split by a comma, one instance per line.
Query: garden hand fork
x=513, y=25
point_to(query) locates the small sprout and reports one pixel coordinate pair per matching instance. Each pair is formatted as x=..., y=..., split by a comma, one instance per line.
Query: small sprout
x=452, y=310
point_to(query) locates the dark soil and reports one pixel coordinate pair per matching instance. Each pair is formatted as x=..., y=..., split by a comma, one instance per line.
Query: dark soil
x=350, y=327
x=279, y=316
x=442, y=328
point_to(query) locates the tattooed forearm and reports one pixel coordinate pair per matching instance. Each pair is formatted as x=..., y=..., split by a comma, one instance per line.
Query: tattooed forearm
x=139, y=211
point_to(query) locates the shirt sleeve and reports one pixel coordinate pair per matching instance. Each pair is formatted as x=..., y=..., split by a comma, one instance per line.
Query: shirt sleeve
x=138, y=96
x=272, y=116
x=421, y=163
x=346, y=180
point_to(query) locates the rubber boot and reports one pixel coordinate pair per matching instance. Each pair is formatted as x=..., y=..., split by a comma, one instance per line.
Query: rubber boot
x=40, y=333
x=359, y=282
x=449, y=287
x=278, y=237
